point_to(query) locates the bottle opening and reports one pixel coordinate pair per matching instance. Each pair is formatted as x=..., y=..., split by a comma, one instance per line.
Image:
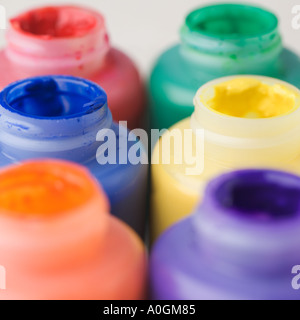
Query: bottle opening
x=54, y=97
x=264, y=195
x=250, y=97
x=231, y=21
x=44, y=188
x=56, y=22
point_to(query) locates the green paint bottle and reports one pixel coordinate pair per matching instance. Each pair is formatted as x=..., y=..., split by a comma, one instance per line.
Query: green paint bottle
x=216, y=41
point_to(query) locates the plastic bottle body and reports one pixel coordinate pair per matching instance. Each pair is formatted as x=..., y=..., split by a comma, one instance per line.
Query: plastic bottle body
x=226, y=143
x=65, y=250
x=228, y=253
x=203, y=56
x=83, y=53
x=77, y=132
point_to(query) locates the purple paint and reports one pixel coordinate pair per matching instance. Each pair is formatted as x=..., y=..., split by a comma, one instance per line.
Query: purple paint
x=241, y=243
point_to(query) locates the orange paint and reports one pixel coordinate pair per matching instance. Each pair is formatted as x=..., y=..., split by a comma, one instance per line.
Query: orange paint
x=58, y=240
x=44, y=189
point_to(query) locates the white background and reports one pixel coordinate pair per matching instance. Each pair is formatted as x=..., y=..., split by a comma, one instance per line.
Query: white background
x=143, y=28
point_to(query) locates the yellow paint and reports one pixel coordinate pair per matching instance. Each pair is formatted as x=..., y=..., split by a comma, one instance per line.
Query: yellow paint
x=251, y=98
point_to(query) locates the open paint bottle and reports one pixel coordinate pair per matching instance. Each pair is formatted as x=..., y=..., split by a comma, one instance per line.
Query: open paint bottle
x=238, y=122
x=58, y=240
x=241, y=243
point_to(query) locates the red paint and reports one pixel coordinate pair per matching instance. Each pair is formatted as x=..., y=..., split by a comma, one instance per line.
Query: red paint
x=55, y=22
x=73, y=41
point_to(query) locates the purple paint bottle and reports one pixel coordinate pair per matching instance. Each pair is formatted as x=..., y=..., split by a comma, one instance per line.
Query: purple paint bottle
x=241, y=244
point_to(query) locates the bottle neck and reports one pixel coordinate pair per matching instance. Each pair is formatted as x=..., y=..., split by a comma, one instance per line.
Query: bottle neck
x=232, y=39
x=230, y=141
x=76, y=110
x=57, y=40
x=249, y=222
x=41, y=233
x=77, y=237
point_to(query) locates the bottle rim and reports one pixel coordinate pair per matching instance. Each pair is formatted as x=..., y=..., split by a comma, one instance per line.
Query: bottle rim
x=227, y=193
x=59, y=84
x=86, y=21
x=221, y=31
x=227, y=125
x=195, y=21
x=242, y=238
x=26, y=187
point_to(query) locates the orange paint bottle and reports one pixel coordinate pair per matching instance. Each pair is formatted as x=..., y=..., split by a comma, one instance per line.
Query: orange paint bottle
x=58, y=241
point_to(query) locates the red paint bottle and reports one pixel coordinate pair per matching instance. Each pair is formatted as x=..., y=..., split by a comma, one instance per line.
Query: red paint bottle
x=73, y=40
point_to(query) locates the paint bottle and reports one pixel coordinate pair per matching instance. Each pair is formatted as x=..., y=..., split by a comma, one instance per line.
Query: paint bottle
x=71, y=40
x=241, y=243
x=68, y=118
x=238, y=122
x=216, y=41
x=58, y=240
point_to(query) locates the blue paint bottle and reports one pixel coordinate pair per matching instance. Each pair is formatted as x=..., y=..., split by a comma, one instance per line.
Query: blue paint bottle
x=68, y=118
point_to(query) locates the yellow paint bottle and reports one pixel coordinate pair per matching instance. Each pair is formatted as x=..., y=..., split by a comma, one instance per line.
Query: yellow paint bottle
x=238, y=122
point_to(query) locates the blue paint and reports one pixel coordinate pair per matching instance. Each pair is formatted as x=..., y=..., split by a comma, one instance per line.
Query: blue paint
x=46, y=97
x=59, y=117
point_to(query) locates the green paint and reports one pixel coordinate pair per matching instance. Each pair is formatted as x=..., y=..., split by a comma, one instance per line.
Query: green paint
x=231, y=21
x=217, y=41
